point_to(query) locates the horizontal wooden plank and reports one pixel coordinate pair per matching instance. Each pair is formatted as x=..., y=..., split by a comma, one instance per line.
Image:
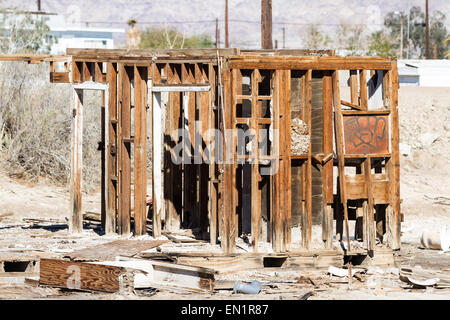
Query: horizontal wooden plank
x=363, y=156
x=59, y=77
x=80, y=275
x=288, y=52
x=124, y=55
x=181, y=88
x=309, y=63
x=32, y=57
x=366, y=113
x=357, y=187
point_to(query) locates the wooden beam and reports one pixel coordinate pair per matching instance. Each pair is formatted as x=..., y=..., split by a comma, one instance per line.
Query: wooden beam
x=59, y=77
x=213, y=185
x=351, y=105
x=158, y=204
x=256, y=178
x=204, y=116
x=307, y=166
x=287, y=222
x=76, y=221
x=106, y=55
x=226, y=215
x=309, y=63
x=76, y=71
x=111, y=187
x=363, y=89
x=395, y=160
x=124, y=151
x=140, y=149
x=369, y=233
x=354, y=94
x=340, y=151
x=327, y=167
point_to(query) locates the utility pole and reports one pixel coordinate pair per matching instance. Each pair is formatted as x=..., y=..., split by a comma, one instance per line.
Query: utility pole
x=217, y=33
x=427, y=26
x=266, y=24
x=39, y=5
x=435, y=51
x=401, y=37
x=276, y=44
x=227, y=44
x=407, y=32
x=284, y=38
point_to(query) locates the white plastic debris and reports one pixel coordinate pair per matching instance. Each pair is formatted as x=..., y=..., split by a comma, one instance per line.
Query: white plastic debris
x=424, y=283
x=436, y=240
x=340, y=272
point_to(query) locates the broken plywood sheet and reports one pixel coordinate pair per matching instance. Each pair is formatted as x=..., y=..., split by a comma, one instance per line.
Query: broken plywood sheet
x=124, y=275
x=84, y=276
x=110, y=250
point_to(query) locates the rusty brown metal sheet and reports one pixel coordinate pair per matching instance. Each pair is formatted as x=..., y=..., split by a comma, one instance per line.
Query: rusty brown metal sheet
x=367, y=134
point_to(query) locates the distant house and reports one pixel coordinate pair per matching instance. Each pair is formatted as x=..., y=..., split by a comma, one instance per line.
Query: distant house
x=424, y=73
x=71, y=35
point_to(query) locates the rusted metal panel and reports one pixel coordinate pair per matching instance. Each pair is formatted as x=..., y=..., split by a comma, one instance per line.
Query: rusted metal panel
x=366, y=134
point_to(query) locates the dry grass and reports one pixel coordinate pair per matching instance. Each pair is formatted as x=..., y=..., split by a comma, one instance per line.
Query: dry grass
x=35, y=126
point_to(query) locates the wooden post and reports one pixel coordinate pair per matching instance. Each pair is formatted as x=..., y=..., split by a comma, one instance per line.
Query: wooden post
x=76, y=221
x=363, y=89
x=340, y=149
x=368, y=205
x=203, y=107
x=158, y=204
x=227, y=214
x=327, y=168
x=369, y=233
x=103, y=161
x=124, y=151
x=287, y=158
x=307, y=166
x=256, y=178
x=140, y=149
x=111, y=175
x=395, y=158
x=213, y=186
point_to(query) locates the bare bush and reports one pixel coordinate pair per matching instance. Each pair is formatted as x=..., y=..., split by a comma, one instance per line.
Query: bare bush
x=35, y=126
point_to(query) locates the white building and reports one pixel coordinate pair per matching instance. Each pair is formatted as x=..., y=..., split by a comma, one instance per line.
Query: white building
x=68, y=34
x=424, y=73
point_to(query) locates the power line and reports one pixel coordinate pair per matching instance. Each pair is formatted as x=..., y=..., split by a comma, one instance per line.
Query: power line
x=238, y=21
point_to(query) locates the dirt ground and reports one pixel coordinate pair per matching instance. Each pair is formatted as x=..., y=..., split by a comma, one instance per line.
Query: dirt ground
x=425, y=173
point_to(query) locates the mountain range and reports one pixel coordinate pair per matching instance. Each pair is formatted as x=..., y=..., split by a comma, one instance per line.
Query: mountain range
x=198, y=16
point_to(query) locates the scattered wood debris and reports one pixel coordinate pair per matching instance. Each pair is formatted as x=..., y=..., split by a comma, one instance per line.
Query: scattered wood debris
x=425, y=278
x=110, y=250
x=124, y=275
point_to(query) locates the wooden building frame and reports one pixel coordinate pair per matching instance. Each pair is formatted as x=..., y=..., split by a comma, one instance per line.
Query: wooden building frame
x=198, y=90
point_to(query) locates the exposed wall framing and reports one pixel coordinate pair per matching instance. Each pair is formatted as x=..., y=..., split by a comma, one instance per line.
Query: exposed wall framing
x=272, y=196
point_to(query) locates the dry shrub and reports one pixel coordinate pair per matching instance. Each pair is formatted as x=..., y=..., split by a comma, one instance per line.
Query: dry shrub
x=35, y=126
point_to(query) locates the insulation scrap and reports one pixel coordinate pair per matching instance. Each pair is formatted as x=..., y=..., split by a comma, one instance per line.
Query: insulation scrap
x=299, y=137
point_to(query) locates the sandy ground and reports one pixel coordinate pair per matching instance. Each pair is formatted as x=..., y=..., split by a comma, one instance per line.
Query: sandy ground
x=425, y=174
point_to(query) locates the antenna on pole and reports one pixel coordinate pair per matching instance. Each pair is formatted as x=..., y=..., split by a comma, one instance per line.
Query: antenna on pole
x=217, y=33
